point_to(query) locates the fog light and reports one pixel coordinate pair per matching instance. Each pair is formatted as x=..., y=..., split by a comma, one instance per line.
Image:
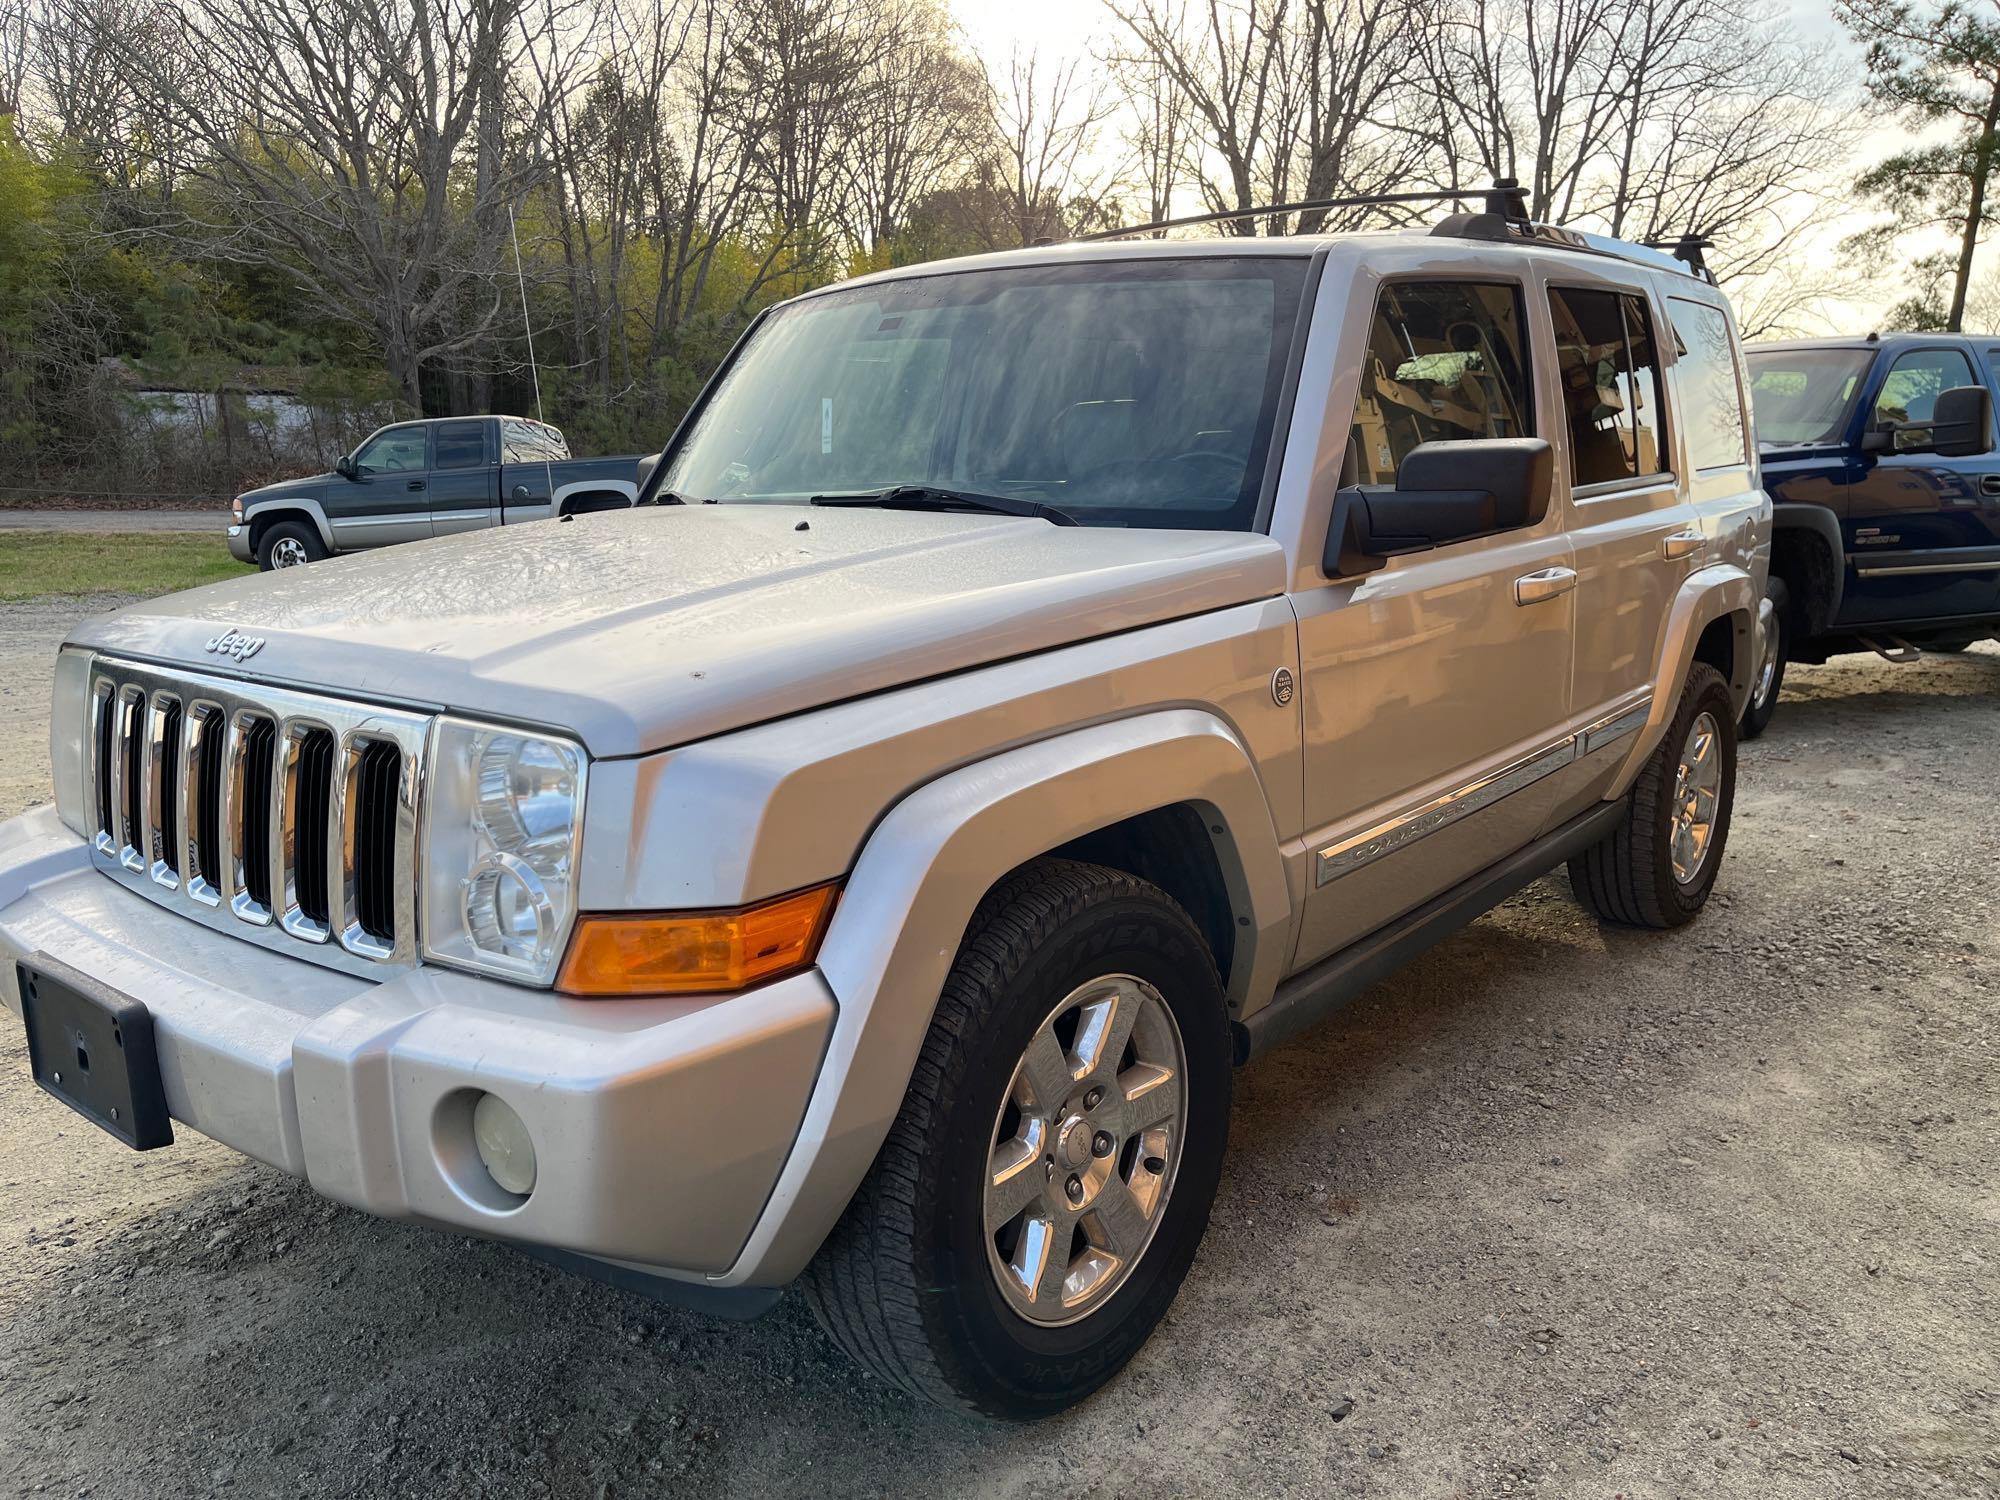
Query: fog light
x=504, y=1145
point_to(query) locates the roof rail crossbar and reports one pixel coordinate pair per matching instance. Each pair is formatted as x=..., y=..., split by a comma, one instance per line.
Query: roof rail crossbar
x=1504, y=198
x=1688, y=248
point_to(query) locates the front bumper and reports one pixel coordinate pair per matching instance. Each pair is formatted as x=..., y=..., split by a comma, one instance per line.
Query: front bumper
x=239, y=544
x=659, y=1125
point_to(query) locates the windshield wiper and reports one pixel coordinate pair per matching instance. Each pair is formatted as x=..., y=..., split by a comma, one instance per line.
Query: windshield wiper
x=930, y=497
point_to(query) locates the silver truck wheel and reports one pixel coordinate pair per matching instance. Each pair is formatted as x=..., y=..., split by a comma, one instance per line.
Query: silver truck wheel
x=289, y=544
x=1044, y=1189
x=1085, y=1149
x=1697, y=790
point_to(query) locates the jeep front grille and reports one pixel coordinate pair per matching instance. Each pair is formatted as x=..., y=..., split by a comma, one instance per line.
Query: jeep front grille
x=287, y=818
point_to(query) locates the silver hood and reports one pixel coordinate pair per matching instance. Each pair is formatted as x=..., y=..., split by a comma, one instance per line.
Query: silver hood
x=638, y=630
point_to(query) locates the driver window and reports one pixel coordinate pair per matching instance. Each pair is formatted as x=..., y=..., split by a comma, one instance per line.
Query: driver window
x=1446, y=362
x=394, y=450
x=1910, y=392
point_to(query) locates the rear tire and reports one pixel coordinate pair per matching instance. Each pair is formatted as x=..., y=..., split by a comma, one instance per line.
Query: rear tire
x=1770, y=678
x=1655, y=870
x=289, y=544
x=916, y=1282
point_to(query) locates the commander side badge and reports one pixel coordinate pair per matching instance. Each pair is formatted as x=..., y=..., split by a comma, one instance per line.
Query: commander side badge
x=1281, y=686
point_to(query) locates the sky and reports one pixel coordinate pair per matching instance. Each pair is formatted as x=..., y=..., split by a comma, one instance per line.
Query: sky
x=1067, y=28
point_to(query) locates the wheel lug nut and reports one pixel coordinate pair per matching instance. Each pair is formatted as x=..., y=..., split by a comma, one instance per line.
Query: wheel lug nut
x=1100, y=1144
x=1074, y=1187
x=1091, y=1099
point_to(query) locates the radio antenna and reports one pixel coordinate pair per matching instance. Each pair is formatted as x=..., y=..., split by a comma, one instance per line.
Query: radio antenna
x=534, y=370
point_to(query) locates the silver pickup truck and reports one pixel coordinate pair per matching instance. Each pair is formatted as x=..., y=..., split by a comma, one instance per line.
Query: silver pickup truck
x=1046, y=682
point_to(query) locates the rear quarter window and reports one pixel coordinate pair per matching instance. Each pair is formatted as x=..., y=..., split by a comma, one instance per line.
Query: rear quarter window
x=1710, y=385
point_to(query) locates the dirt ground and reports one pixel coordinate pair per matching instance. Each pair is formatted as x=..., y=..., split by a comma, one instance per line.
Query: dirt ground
x=1554, y=1212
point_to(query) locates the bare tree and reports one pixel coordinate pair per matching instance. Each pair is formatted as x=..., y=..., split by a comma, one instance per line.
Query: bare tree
x=1049, y=119
x=918, y=120
x=332, y=136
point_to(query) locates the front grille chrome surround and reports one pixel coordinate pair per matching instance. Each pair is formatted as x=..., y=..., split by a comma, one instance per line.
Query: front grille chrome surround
x=286, y=818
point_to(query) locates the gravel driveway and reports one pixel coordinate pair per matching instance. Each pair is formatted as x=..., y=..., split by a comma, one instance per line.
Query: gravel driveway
x=1553, y=1212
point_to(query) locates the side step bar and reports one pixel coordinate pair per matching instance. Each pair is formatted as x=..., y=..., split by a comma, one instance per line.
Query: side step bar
x=1899, y=651
x=1336, y=981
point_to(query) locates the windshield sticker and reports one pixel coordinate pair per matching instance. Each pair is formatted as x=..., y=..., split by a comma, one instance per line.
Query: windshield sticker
x=826, y=424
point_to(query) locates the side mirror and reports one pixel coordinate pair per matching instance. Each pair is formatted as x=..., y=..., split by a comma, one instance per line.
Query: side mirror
x=344, y=467
x=1962, y=422
x=1445, y=492
x=645, y=471
x=1961, y=426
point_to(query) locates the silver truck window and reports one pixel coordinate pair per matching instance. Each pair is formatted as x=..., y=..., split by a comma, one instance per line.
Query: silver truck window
x=1711, y=398
x=1610, y=369
x=1127, y=393
x=1803, y=397
x=1446, y=362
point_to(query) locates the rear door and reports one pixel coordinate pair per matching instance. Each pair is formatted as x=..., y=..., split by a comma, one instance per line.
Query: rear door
x=387, y=500
x=1922, y=532
x=463, y=475
x=1633, y=527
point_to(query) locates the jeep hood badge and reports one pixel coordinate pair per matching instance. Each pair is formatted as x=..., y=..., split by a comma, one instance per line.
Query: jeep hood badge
x=232, y=644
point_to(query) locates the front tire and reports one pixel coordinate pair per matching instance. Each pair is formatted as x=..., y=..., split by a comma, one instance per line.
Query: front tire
x=1658, y=866
x=1041, y=1195
x=1770, y=678
x=289, y=544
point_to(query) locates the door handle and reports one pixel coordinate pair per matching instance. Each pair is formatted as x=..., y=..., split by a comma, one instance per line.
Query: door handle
x=1681, y=544
x=1989, y=484
x=416, y=484
x=1548, y=583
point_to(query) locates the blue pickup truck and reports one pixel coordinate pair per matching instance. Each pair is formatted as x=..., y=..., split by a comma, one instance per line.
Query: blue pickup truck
x=429, y=478
x=1879, y=456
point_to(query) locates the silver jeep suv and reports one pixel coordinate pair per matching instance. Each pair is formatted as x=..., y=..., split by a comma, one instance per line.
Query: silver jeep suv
x=1042, y=683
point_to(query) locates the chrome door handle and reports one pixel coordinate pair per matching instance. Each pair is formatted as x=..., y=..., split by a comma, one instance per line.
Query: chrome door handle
x=1680, y=544
x=1549, y=583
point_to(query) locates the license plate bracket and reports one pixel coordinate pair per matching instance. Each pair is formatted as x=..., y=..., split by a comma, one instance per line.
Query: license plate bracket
x=94, y=1049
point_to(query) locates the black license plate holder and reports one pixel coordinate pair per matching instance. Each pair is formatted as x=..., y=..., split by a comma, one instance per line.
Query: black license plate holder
x=93, y=1048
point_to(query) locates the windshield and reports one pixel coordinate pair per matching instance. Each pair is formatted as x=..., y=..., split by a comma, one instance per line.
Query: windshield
x=1126, y=393
x=1804, y=396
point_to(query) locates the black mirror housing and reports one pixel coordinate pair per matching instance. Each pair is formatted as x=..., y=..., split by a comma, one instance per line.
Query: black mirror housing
x=344, y=466
x=1445, y=492
x=1962, y=422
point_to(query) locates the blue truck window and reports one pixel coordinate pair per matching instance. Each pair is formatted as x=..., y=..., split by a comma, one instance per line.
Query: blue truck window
x=1911, y=389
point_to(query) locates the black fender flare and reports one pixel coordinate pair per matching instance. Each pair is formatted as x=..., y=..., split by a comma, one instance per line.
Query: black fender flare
x=1797, y=516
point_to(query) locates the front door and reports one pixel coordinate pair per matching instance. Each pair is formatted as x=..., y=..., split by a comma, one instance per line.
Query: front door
x=462, y=476
x=1922, y=532
x=1434, y=688
x=387, y=500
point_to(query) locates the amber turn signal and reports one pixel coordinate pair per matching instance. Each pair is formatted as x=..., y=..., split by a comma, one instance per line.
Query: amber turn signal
x=696, y=953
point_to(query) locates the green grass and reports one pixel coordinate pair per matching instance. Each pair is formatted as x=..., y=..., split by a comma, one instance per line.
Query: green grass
x=34, y=564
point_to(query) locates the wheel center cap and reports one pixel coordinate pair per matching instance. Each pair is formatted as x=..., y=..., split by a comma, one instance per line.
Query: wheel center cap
x=1073, y=1142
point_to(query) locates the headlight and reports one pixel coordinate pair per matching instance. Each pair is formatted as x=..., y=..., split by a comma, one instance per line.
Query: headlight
x=504, y=814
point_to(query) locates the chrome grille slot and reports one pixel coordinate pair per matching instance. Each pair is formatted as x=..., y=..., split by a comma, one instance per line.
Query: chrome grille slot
x=163, y=788
x=303, y=832
x=374, y=772
x=288, y=819
x=253, y=790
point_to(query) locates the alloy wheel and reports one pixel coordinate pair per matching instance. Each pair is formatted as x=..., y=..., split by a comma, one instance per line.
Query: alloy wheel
x=1697, y=788
x=1086, y=1145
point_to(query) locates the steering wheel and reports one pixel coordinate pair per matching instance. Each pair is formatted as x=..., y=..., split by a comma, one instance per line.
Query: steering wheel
x=1227, y=467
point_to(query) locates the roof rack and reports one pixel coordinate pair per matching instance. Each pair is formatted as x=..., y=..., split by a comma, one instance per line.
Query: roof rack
x=1503, y=200
x=1503, y=215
